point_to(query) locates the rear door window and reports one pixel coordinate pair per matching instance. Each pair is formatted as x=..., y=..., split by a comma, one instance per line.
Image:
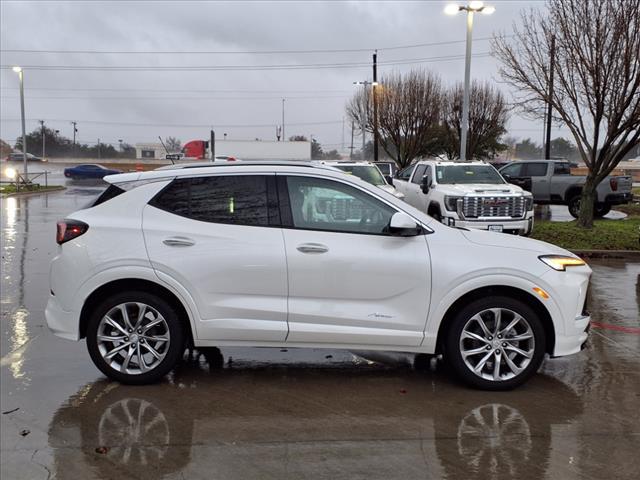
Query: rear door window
x=230, y=199
x=535, y=169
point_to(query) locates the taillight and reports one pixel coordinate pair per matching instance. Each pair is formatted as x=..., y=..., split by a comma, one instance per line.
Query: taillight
x=231, y=159
x=70, y=229
x=614, y=184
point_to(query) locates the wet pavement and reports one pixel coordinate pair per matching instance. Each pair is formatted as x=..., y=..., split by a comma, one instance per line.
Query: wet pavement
x=291, y=414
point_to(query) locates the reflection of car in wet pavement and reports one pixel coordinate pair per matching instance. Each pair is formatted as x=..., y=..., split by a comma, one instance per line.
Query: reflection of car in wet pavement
x=89, y=171
x=279, y=255
x=297, y=423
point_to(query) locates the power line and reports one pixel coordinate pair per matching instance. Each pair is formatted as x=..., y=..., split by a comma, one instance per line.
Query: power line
x=201, y=68
x=182, y=125
x=239, y=52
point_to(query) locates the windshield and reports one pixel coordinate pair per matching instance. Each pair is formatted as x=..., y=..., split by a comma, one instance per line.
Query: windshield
x=368, y=173
x=468, y=174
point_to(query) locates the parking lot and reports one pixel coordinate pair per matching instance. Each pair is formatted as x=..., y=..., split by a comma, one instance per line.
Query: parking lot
x=278, y=413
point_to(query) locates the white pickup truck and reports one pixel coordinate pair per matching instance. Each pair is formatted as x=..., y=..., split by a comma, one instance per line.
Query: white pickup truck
x=468, y=195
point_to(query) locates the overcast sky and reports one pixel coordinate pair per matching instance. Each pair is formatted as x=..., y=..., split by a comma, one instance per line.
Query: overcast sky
x=138, y=105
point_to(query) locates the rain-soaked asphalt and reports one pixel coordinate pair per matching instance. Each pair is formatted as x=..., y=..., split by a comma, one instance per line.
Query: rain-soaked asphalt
x=277, y=414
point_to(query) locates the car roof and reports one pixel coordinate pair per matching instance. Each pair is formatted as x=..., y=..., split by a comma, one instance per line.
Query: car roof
x=346, y=163
x=449, y=162
x=199, y=168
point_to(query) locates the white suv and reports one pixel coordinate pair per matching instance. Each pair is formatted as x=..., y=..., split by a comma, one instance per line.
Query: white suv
x=278, y=254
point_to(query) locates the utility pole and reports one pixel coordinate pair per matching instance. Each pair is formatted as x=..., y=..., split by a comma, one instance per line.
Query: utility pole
x=43, y=140
x=99, y=155
x=212, y=145
x=283, y=137
x=75, y=130
x=351, y=147
x=375, y=106
x=552, y=55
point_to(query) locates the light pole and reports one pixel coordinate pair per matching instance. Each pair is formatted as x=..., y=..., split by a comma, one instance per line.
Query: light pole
x=471, y=8
x=365, y=117
x=20, y=73
x=283, y=139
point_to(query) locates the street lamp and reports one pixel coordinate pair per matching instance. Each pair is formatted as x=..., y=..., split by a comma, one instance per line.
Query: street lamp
x=471, y=8
x=365, y=119
x=20, y=73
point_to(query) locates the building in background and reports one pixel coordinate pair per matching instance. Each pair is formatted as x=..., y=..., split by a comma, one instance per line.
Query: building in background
x=242, y=149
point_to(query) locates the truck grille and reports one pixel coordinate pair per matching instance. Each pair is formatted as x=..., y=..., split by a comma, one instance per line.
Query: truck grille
x=474, y=207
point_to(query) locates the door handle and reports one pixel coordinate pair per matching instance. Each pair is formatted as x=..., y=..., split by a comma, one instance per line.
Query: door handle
x=178, y=242
x=312, y=248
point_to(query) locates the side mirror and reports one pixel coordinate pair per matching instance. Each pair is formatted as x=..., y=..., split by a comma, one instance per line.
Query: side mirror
x=506, y=177
x=389, y=179
x=402, y=225
x=426, y=184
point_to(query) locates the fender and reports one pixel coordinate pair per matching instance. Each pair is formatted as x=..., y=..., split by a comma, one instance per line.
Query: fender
x=140, y=273
x=439, y=310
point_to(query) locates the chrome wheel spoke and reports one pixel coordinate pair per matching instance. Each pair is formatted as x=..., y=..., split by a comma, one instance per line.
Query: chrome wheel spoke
x=512, y=348
x=514, y=368
x=127, y=360
x=478, y=368
x=142, y=310
x=141, y=365
x=151, y=350
x=125, y=316
x=111, y=339
x=474, y=336
x=152, y=324
x=483, y=325
x=496, y=365
x=117, y=349
x=156, y=338
x=518, y=338
x=512, y=323
x=497, y=315
x=474, y=351
x=111, y=322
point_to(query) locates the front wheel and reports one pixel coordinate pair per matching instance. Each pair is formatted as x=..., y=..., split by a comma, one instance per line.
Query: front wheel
x=135, y=338
x=495, y=343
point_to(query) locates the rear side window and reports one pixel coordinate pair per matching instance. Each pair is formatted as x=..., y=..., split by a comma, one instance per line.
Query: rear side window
x=562, y=169
x=535, y=169
x=233, y=199
x=111, y=192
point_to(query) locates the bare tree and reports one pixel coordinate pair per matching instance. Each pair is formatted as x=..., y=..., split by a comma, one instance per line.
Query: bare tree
x=174, y=145
x=597, y=78
x=488, y=115
x=408, y=114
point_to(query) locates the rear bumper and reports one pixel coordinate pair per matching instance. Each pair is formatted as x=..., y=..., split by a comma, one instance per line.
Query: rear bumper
x=62, y=323
x=575, y=337
x=618, y=198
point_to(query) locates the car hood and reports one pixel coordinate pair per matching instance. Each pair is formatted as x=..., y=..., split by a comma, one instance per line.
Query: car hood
x=504, y=240
x=479, y=188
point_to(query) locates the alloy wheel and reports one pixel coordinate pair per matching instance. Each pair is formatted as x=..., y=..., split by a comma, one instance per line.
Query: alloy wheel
x=133, y=338
x=497, y=344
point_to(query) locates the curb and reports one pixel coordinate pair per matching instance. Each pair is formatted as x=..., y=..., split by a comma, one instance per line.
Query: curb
x=33, y=192
x=623, y=254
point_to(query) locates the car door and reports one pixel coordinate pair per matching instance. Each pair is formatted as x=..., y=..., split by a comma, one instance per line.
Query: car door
x=401, y=180
x=537, y=172
x=350, y=281
x=218, y=237
x=415, y=195
x=514, y=174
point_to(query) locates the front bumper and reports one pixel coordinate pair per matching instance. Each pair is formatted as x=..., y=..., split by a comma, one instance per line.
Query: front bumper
x=62, y=323
x=521, y=225
x=574, y=338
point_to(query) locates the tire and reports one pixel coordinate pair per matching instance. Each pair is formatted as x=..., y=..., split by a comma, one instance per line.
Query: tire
x=601, y=209
x=574, y=206
x=485, y=346
x=128, y=354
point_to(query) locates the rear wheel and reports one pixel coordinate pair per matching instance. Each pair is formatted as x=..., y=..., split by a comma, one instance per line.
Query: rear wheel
x=601, y=209
x=135, y=338
x=574, y=206
x=495, y=343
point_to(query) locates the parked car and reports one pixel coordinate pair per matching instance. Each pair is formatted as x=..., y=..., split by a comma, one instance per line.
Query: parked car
x=551, y=182
x=467, y=195
x=285, y=254
x=366, y=171
x=18, y=157
x=89, y=171
x=388, y=169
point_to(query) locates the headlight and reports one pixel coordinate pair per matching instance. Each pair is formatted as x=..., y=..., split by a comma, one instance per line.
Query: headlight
x=450, y=203
x=560, y=262
x=528, y=202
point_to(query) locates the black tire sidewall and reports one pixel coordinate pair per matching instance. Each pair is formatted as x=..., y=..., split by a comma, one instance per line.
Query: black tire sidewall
x=452, y=349
x=574, y=206
x=176, y=331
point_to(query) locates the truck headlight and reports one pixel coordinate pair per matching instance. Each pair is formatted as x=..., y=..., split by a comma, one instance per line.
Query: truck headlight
x=528, y=202
x=450, y=203
x=561, y=262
